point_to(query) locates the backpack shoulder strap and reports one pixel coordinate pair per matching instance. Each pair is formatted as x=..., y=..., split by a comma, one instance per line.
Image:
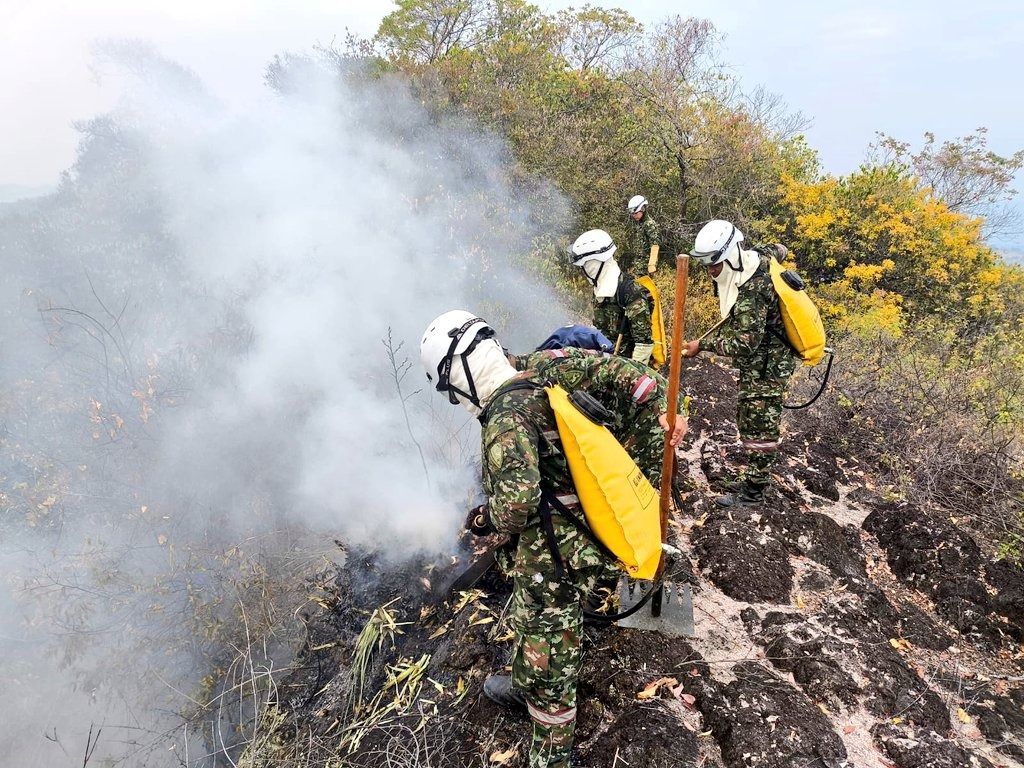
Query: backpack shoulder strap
x=503, y=390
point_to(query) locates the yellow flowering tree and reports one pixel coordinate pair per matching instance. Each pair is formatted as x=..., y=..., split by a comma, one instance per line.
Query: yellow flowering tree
x=877, y=236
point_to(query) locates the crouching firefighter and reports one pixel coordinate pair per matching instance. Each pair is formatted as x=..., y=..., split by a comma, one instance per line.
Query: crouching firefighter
x=622, y=308
x=752, y=334
x=531, y=497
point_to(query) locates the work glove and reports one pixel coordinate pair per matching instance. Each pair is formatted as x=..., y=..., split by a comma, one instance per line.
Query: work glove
x=782, y=250
x=642, y=353
x=479, y=521
x=652, y=262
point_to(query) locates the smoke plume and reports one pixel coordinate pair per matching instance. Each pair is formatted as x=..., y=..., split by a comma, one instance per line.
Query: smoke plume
x=209, y=346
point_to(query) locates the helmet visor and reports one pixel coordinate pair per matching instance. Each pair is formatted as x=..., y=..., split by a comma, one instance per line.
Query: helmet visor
x=707, y=258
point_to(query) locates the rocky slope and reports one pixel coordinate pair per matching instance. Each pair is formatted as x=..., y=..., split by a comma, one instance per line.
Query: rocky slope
x=834, y=627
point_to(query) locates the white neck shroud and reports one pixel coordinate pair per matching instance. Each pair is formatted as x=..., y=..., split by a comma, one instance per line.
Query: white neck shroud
x=489, y=368
x=608, y=281
x=729, y=279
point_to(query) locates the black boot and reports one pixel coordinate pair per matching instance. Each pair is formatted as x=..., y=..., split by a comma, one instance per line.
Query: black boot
x=745, y=496
x=730, y=483
x=498, y=688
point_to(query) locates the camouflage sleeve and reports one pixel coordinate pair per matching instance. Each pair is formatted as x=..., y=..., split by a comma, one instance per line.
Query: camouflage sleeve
x=645, y=386
x=520, y=362
x=638, y=312
x=744, y=331
x=511, y=471
x=653, y=232
x=531, y=361
x=606, y=319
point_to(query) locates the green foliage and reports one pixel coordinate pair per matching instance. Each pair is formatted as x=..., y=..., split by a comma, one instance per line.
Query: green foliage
x=896, y=251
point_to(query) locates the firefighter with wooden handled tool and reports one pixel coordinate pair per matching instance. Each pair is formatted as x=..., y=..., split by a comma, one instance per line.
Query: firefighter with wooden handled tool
x=769, y=325
x=553, y=557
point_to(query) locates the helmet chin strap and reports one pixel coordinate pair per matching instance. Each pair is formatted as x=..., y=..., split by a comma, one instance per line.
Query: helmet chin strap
x=444, y=368
x=593, y=280
x=739, y=260
x=453, y=390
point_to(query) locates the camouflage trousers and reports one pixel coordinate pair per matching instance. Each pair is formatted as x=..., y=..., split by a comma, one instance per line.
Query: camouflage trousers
x=634, y=321
x=546, y=613
x=763, y=382
x=546, y=667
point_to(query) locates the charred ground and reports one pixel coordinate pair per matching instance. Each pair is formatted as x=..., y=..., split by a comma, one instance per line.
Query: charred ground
x=837, y=625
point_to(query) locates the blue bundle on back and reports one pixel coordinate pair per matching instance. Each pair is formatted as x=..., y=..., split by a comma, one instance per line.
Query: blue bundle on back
x=580, y=336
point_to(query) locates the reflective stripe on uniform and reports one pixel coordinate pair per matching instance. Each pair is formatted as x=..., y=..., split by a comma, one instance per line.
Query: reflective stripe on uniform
x=552, y=719
x=762, y=446
x=643, y=389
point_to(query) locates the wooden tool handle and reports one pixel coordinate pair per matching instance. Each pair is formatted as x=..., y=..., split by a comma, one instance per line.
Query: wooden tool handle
x=674, y=368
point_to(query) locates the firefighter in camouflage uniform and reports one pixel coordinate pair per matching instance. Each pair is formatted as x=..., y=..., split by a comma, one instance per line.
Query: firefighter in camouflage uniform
x=753, y=335
x=523, y=469
x=622, y=309
x=644, y=238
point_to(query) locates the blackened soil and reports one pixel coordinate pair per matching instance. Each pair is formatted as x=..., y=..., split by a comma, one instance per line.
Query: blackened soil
x=941, y=560
x=761, y=720
x=1001, y=718
x=919, y=748
x=743, y=559
x=620, y=664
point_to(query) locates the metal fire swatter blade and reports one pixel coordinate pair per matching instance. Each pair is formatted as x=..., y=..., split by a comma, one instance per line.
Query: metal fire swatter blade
x=676, y=615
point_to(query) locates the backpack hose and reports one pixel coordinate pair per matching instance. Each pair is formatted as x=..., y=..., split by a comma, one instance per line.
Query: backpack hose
x=821, y=389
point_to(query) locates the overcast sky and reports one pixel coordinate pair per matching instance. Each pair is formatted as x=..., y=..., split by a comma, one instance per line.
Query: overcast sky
x=852, y=67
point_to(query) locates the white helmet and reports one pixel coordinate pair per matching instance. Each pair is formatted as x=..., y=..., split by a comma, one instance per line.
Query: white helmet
x=637, y=203
x=593, y=245
x=715, y=243
x=456, y=333
x=592, y=251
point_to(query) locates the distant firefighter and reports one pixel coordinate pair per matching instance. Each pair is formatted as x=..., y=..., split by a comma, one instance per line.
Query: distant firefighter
x=644, y=238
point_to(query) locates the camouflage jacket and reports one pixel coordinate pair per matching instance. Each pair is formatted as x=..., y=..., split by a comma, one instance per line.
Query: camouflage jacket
x=627, y=312
x=642, y=235
x=634, y=394
x=753, y=334
x=521, y=455
x=629, y=390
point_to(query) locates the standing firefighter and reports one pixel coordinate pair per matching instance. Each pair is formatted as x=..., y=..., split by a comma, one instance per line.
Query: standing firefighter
x=523, y=467
x=752, y=334
x=622, y=309
x=645, y=238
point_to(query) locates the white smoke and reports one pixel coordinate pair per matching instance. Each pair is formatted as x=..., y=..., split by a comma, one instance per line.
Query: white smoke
x=193, y=351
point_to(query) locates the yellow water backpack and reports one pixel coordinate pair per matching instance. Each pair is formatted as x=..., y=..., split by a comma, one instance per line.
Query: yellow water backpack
x=659, y=353
x=804, y=329
x=620, y=505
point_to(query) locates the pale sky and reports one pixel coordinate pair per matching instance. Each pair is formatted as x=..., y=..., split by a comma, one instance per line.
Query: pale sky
x=853, y=67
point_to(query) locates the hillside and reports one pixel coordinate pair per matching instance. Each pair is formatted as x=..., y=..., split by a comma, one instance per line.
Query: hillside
x=834, y=627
